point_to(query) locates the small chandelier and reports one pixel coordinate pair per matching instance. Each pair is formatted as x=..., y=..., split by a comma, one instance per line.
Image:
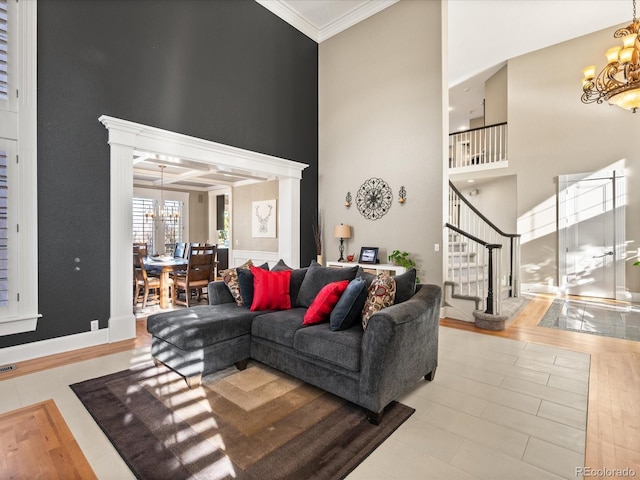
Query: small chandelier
x=159, y=212
x=619, y=82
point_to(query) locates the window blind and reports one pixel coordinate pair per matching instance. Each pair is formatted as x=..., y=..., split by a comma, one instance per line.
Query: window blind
x=142, y=222
x=4, y=60
x=4, y=233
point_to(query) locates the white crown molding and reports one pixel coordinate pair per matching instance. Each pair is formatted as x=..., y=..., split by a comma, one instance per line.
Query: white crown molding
x=293, y=18
x=320, y=34
x=356, y=15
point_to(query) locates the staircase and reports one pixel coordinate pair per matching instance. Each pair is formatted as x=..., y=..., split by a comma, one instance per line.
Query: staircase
x=483, y=265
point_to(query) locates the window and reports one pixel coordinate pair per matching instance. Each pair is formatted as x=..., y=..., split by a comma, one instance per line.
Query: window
x=172, y=224
x=142, y=224
x=4, y=85
x=160, y=236
x=18, y=168
x=4, y=234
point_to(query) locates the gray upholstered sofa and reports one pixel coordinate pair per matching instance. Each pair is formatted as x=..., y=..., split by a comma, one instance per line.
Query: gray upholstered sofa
x=368, y=367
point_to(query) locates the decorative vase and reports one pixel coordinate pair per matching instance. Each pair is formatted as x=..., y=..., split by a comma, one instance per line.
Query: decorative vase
x=319, y=259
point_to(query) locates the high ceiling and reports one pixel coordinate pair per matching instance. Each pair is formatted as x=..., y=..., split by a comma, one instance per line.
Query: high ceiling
x=482, y=36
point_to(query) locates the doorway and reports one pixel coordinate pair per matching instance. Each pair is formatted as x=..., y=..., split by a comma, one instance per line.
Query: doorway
x=591, y=234
x=126, y=137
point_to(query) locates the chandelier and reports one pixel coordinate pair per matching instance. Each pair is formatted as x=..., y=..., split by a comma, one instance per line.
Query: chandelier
x=619, y=82
x=160, y=212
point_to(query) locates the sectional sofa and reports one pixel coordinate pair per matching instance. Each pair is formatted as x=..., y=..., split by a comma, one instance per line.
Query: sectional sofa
x=369, y=366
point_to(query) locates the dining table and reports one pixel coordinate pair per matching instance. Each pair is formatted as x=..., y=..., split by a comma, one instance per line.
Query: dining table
x=165, y=265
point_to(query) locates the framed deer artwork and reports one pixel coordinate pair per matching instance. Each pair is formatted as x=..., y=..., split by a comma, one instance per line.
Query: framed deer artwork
x=263, y=218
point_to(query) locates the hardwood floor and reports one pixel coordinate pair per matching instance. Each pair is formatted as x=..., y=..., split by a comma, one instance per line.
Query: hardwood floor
x=613, y=424
x=37, y=443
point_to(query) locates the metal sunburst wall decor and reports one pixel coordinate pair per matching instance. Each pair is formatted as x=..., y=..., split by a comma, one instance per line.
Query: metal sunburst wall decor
x=374, y=198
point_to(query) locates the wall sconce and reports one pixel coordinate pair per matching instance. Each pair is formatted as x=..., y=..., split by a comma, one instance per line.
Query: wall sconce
x=347, y=200
x=402, y=196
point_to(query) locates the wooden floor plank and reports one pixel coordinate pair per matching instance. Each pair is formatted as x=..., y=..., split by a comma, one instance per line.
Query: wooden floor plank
x=37, y=443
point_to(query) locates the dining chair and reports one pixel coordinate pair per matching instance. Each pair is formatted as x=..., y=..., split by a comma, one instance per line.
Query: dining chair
x=200, y=271
x=144, y=282
x=180, y=250
x=141, y=248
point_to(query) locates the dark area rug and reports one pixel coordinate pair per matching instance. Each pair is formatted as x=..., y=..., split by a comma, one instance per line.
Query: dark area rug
x=253, y=424
x=608, y=320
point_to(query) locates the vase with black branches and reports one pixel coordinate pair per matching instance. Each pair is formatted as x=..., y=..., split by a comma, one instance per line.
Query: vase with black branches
x=317, y=237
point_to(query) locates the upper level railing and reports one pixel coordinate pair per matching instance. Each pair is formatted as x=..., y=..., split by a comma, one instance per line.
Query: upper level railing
x=478, y=146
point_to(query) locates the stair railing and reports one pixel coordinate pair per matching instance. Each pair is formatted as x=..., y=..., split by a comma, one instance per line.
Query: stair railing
x=470, y=275
x=468, y=221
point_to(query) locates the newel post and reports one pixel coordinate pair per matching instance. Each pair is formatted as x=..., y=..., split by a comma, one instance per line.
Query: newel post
x=494, y=250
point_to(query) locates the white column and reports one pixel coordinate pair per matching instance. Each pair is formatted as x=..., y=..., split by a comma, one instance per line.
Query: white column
x=289, y=220
x=122, y=323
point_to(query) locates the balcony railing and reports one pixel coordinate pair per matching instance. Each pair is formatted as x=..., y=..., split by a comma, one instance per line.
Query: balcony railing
x=484, y=146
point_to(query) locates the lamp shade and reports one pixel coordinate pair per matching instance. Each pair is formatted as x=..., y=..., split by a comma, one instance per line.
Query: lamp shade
x=342, y=231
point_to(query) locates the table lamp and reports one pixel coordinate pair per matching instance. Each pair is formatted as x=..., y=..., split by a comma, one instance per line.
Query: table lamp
x=342, y=231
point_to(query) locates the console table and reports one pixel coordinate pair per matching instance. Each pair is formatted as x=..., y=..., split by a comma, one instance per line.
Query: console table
x=376, y=268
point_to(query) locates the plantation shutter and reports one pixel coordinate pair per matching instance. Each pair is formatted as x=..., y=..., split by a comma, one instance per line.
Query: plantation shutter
x=173, y=223
x=4, y=233
x=142, y=224
x=4, y=86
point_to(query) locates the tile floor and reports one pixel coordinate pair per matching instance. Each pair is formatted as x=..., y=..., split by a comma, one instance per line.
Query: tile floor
x=618, y=321
x=498, y=409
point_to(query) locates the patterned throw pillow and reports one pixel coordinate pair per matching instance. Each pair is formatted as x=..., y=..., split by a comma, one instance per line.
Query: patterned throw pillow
x=230, y=278
x=381, y=294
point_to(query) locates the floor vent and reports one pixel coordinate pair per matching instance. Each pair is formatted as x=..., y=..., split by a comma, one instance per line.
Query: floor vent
x=7, y=368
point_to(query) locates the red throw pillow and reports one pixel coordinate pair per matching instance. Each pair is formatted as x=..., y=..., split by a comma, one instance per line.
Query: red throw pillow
x=320, y=309
x=270, y=290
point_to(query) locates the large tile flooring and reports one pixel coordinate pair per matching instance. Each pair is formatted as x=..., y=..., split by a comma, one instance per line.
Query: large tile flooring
x=618, y=321
x=498, y=409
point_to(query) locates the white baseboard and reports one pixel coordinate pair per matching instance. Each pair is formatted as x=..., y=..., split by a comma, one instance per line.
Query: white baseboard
x=29, y=351
x=538, y=288
x=257, y=257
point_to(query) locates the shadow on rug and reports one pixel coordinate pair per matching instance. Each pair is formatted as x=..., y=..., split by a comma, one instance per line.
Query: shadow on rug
x=258, y=423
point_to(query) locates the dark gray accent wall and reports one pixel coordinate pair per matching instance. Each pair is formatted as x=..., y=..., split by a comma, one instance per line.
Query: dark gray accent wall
x=227, y=71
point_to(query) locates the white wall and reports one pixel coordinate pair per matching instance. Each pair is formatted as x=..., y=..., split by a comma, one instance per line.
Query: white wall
x=381, y=115
x=552, y=133
x=199, y=218
x=496, y=199
x=495, y=94
x=242, y=216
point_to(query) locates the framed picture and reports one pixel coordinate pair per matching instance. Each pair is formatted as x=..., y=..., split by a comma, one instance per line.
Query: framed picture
x=368, y=255
x=263, y=218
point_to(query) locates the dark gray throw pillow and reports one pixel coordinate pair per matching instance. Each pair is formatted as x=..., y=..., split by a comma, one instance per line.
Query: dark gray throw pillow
x=245, y=282
x=348, y=310
x=317, y=277
x=405, y=285
x=297, y=277
x=280, y=266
